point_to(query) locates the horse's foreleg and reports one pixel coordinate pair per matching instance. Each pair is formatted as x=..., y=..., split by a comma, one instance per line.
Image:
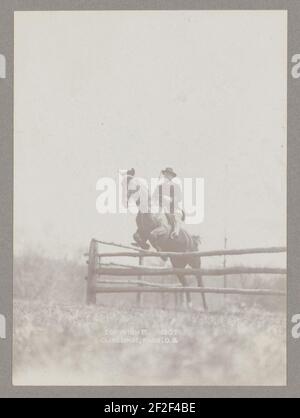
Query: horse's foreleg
x=140, y=240
x=155, y=239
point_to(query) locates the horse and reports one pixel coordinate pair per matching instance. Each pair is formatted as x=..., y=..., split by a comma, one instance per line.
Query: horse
x=153, y=226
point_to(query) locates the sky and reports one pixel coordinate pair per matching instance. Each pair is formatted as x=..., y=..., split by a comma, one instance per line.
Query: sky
x=203, y=92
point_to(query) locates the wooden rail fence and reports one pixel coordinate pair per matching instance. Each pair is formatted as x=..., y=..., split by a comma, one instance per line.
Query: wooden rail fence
x=97, y=268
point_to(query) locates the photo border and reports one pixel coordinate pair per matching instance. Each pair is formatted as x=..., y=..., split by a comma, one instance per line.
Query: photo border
x=7, y=8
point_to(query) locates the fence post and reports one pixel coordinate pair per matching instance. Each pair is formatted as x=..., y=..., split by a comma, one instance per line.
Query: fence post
x=225, y=263
x=176, y=299
x=91, y=294
x=139, y=294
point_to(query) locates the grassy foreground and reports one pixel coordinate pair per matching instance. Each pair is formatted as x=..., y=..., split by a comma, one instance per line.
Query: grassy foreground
x=59, y=344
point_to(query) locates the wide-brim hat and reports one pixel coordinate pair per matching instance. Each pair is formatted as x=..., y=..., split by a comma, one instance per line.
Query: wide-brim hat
x=130, y=173
x=169, y=171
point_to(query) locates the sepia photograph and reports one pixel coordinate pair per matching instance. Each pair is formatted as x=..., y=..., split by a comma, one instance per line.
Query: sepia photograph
x=150, y=198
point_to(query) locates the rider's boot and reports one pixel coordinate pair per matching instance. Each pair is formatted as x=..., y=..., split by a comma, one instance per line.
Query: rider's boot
x=175, y=230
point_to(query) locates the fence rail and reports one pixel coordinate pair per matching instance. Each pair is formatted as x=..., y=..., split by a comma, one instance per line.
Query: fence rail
x=145, y=253
x=96, y=269
x=177, y=289
x=148, y=271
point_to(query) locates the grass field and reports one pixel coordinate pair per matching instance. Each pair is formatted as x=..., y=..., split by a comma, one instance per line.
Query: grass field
x=58, y=340
x=77, y=345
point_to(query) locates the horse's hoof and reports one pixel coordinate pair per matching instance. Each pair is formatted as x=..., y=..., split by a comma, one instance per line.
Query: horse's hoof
x=188, y=306
x=143, y=246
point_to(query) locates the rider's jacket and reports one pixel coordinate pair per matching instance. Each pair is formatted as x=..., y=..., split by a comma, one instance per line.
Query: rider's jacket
x=168, y=195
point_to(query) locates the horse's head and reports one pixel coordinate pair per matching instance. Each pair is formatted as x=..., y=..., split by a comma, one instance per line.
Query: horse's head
x=135, y=189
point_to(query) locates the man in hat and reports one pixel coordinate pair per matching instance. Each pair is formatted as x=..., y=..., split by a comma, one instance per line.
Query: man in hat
x=168, y=194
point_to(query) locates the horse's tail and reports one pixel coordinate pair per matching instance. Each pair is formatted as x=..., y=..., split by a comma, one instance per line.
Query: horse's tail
x=183, y=216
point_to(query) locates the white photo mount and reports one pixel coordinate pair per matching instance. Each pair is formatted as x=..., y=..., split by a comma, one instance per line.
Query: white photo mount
x=2, y=327
x=2, y=66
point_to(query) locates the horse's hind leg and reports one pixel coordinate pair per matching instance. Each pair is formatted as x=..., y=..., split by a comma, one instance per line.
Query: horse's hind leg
x=187, y=295
x=200, y=284
x=196, y=263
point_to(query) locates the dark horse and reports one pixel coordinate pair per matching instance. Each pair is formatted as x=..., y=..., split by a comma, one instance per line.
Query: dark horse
x=153, y=226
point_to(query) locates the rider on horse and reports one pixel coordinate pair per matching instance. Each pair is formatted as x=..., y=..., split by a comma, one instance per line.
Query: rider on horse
x=153, y=226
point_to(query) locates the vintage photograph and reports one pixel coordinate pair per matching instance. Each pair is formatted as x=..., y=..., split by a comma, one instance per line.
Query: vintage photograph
x=150, y=198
